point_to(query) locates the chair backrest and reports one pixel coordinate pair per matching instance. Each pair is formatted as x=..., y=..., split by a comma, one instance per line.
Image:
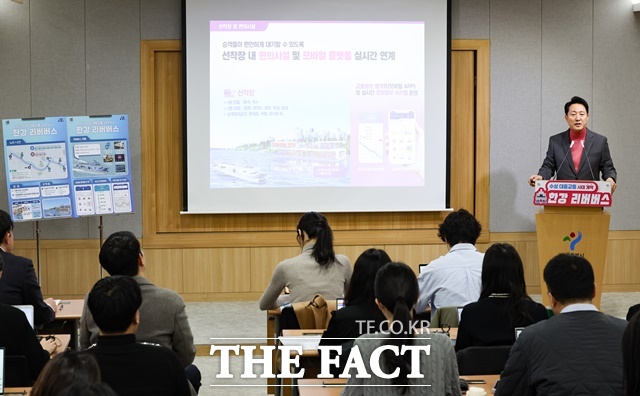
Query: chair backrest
x=445, y=315
x=483, y=360
x=17, y=372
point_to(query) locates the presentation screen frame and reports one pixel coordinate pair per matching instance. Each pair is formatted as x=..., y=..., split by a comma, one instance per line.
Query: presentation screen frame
x=362, y=198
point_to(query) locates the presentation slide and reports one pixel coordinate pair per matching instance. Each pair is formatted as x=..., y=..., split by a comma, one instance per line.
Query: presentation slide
x=324, y=114
x=316, y=104
x=61, y=167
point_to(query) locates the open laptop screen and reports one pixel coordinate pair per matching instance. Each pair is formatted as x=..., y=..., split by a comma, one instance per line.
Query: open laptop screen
x=1, y=371
x=28, y=311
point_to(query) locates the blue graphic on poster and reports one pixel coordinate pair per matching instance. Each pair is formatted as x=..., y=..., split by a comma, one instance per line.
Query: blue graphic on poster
x=61, y=167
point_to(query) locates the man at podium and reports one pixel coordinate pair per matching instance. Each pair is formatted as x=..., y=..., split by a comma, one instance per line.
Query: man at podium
x=577, y=153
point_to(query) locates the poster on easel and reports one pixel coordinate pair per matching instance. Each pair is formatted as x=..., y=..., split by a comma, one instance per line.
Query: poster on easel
x=59, y=167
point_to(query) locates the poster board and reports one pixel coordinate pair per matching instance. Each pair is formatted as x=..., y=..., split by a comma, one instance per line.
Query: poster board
x=67, y=167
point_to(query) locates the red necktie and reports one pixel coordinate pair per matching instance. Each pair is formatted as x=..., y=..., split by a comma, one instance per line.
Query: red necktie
x=576, y=153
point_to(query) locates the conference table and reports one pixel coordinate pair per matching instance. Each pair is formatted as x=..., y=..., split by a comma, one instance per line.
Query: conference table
x=333, y=387
x=17, y=391
x=67, y=321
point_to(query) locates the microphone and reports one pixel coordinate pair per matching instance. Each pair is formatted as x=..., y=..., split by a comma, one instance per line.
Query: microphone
x=555, y=177
x=593, y=177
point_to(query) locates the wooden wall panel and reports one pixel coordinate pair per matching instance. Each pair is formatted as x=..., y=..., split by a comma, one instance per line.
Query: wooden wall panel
x=462, y=151
x=70, y=271
x=164, y=267
x=161, y=133
x=217, y=270
x=70, y=267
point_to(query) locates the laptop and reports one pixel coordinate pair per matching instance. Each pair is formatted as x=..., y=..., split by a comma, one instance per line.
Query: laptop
x=28, y=312
x=421, y=267
x=339, y=303
x=460, y=313
x=1, y=371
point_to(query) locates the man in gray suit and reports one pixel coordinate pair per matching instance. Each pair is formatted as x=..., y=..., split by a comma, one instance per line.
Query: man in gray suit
x=163, y=312
x=577, y=153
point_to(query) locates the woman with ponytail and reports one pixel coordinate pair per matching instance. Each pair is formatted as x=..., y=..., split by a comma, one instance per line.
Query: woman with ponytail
x=317, y=270
x=396, y=290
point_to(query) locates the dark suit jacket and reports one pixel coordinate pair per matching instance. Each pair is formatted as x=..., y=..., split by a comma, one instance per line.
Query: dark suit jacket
x=487, y=322
x=576, y=353
x=596, y=152
x=19, y=286
x=18, y=338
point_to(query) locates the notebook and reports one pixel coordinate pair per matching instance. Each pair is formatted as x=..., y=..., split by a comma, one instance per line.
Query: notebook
x=28, y=311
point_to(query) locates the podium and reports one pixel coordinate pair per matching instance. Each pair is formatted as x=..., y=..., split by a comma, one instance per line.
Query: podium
x=573, y=221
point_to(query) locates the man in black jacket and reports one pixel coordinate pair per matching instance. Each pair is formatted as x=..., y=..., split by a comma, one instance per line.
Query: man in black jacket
x=129, y=367
x=576, y=352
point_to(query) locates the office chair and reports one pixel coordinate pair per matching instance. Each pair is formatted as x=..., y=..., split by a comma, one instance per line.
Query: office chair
x=482, y=360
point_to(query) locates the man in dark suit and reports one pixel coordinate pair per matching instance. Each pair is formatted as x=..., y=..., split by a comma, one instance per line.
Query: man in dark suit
x=577, y=153
x=19, y=285
x=577, y=351
x=18, y=338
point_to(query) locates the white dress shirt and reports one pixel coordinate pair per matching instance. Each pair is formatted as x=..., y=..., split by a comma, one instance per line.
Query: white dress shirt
x=454, y=279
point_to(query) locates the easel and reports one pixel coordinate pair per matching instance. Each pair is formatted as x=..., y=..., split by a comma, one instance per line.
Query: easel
x=100, y=229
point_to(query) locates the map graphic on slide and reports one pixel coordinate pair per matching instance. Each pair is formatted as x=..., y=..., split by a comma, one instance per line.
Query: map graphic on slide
x=37, y=162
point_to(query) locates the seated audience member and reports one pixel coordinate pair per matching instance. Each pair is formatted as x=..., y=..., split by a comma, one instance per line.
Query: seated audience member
x=360, y=314
x=631, y=356
x=18, y=338
x=632, y=311
x=65, y=369
x=130, y=367
x=453, y=279
x=317, y=270
x=100, y=389
x=577, y=351
x=396, y=290
x=19, y=285
x=504, y=303
x=163, y=316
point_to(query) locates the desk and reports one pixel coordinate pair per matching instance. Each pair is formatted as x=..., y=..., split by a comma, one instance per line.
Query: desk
x=67, y=321
x=333, y=387
x=273, y=331
x=17, y=391
x=64, y=343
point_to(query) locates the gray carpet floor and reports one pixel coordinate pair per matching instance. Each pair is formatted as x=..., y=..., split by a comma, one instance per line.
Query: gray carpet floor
x=248, y=324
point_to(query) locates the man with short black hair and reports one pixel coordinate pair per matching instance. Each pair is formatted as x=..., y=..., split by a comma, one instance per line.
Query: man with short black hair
x=130, y=367
x=455, y=278
x=577, y=351
x=577, y=153
x=19, y=285
x=163, y=312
